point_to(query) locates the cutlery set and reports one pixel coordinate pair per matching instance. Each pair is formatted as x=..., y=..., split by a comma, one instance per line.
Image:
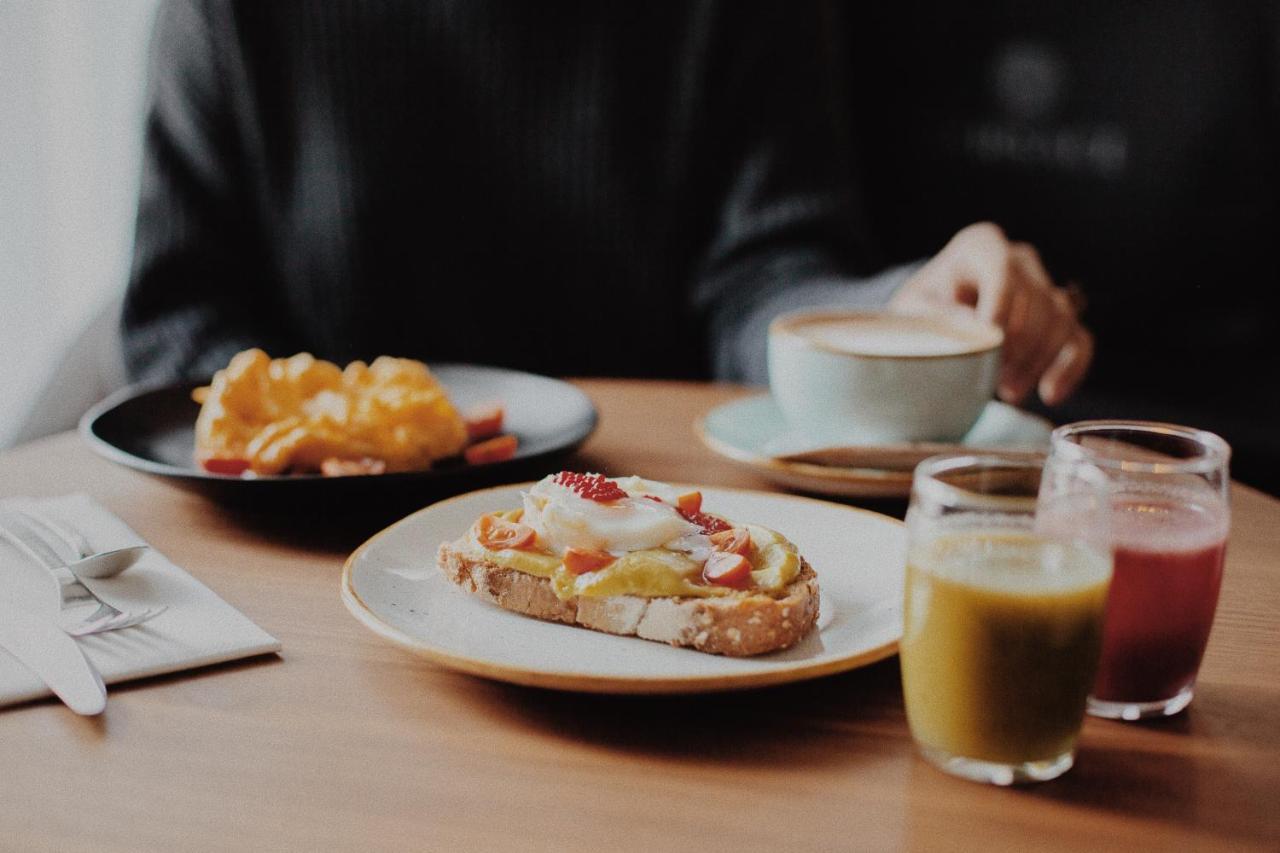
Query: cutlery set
x=43, y=610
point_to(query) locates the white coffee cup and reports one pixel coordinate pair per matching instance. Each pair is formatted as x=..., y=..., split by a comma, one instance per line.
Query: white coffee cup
x=857, y=377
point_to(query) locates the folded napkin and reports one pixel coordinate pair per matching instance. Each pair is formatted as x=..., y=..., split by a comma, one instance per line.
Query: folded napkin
x=197, y=629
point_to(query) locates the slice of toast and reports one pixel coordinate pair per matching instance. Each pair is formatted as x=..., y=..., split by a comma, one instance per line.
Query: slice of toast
x=740, y=624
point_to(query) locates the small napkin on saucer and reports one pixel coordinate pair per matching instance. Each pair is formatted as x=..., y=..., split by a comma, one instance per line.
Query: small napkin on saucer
x=1000, y=427
x=197, y=629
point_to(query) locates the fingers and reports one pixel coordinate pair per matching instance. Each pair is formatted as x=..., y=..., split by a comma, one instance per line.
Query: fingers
x=980, y=271
x=1068, y=369
x=1060, y=328
x=1040, y=324
x=979, y=258
x=967, y=274
x=1016, y=292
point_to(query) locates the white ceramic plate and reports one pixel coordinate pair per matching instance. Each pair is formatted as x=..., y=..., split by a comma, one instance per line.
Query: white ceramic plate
x=392, y=585
x=752, y=431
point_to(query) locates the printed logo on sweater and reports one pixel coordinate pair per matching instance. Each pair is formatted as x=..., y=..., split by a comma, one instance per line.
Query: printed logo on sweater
x=1028, y=81
x=1031, y=126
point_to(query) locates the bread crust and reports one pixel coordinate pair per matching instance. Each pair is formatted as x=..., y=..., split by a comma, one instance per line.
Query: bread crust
x=738, y=625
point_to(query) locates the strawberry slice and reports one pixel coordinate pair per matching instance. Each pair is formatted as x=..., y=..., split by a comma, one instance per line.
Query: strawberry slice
x=580, y=560
x=497, y=533
x=725, y=569
x=733, y=541
x=593, y=487
x=706, y=523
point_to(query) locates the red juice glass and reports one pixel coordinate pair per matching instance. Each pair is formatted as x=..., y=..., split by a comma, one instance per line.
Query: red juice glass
x=1169, y=523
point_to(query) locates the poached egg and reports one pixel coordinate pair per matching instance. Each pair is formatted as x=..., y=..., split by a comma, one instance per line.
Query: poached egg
x=565, y=519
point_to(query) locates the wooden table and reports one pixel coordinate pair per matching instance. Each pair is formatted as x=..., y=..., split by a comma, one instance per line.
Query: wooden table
x=346, y=742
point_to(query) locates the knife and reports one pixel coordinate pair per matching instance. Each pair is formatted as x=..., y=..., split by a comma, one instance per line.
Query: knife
x=52, y=654
x=29, y=607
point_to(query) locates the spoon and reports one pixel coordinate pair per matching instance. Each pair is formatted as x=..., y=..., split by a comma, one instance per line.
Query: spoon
x=107, y=564
x=103, y=564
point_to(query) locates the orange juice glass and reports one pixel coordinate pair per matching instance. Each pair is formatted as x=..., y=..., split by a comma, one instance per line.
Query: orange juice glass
x=1008, y=570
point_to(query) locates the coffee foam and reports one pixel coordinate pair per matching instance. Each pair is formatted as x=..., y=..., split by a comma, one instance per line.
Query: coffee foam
x=887, y=335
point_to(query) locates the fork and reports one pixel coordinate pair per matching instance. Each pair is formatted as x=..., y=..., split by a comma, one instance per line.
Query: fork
x=21, y=531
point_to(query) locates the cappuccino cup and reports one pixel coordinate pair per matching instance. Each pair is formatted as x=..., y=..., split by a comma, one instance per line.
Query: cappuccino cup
x=858, y=377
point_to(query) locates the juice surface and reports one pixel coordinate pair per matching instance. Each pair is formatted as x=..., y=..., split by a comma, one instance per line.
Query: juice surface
x=1168, y=570
x=1001, y=643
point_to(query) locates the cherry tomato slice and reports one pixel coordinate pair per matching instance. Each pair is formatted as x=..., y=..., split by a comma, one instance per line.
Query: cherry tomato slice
x=483, y=421
x=580, y=560
x=734, y=541
x=725, y=569
x=497, y=533
x=230, y=466
x=690, y=502
x=497, y=449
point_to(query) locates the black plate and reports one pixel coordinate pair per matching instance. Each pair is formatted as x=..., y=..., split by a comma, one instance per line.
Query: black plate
x=152, y=429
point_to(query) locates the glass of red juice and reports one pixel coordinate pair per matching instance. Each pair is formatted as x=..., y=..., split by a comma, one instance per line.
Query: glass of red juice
x=1169, y=523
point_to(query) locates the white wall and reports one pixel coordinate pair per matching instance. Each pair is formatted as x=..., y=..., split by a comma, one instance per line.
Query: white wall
x=72, y=75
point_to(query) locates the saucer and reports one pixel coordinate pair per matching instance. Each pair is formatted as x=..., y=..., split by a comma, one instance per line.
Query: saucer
x=752, y=431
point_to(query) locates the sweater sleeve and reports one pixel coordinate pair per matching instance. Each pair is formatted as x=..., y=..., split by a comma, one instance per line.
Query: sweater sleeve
x=200, y=280
x=790, y=231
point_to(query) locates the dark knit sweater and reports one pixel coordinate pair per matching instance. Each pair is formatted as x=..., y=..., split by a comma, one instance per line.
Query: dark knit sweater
x=1137, y=145
x=567, y=187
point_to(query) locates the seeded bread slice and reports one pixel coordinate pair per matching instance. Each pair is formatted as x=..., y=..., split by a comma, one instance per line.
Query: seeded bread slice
x=737, y=625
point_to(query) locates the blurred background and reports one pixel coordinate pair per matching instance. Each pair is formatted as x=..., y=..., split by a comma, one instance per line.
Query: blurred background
x=1134, y=143
x=71, y=101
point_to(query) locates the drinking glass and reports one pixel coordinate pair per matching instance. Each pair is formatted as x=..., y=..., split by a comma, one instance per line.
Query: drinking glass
x=1170, y=521
x=1008, y=567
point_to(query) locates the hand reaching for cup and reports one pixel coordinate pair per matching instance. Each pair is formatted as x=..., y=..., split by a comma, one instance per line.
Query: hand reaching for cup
x=981, y=271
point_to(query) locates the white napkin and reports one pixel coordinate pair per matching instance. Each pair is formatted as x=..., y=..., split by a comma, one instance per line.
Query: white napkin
x=198, y=629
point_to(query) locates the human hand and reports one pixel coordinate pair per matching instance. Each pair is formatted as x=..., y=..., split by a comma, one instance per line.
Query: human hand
x=982, y=272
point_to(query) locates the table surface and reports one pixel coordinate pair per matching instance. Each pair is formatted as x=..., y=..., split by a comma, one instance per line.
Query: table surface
x=346, y=741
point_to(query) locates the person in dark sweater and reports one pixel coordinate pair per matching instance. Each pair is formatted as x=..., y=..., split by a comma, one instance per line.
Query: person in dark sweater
x=1137, y=144
x=581, y=188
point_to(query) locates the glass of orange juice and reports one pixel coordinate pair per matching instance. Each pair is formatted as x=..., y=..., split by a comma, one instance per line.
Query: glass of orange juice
x=1008, y=568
